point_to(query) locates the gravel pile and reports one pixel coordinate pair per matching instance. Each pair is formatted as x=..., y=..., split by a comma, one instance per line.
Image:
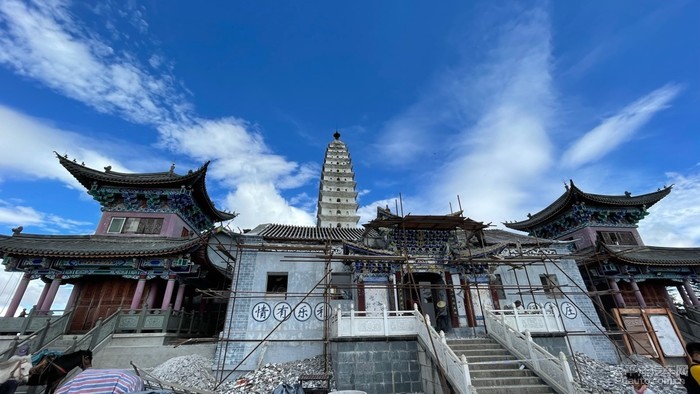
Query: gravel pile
x=195, y=372
x=598, y=377
x=189, y=371
x=265, y=379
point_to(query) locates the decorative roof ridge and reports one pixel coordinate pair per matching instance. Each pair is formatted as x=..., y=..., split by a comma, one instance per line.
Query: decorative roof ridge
x=573, y=193
x=87, y=176
x=75, y=169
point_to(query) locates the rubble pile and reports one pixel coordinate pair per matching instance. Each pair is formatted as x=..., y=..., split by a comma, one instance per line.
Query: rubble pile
x=195, y=372
x=189, y=371
x=598, y=377
x=265, y=379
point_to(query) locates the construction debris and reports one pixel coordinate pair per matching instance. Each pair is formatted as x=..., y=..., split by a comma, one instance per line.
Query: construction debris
x=195, y=371
x=601, y=378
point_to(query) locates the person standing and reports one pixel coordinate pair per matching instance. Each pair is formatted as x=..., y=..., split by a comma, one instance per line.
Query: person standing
x=442, y=317
x=692, y=380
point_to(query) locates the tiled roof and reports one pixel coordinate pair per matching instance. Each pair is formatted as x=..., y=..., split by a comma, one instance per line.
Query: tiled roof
x=573, y=194
x=280, y=232
x=426, y=222
x=654, y=255
x=94, y=246
x=496, y=236
x=157, y=180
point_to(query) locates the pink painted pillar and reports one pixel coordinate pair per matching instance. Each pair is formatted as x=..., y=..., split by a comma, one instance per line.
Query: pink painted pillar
x=684, y=295
x=179, y=297
x=73, y=297
x=42, y=296
x=136, y=301
x=637, y=293
x=19, y=293
x=168, y=293
x=691, y=292
x=51, y=295
x=152, y=294
x=616, y=293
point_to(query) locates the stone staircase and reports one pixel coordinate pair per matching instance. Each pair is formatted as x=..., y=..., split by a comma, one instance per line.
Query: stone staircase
x=494, y=370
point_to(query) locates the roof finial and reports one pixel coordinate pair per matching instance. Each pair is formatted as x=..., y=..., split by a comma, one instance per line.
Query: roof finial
x=172, y=169
x=336, y=135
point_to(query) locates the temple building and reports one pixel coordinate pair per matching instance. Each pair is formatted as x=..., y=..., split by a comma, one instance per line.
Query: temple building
x=624, y=277
x=148, y=250
x=337, y=198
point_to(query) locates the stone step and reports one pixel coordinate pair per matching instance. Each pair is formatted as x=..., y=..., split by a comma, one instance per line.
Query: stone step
x=506, y=381
x=530, y=389
x=487, y=358
x=471, y=342
x=481, y=352
x=490, y=366
x=500, y=372
x=472, y=347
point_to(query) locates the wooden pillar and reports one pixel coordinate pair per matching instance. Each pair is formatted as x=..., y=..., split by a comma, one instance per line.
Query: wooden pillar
x=168, y=293
x=179, y=297
x=19, y=293
x=138, y=293
x=684, y=295
x=616, y=293
x=51, y=294
x=42, y=296
x=73, y=298
x=691, y=292
x=637, y=293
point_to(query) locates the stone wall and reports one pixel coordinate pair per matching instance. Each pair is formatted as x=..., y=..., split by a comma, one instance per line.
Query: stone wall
x=377, y=366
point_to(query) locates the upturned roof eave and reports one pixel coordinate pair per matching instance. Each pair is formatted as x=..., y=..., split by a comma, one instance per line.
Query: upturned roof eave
x=104, y=246
x=86, y=176
x=573, y=194
x=653, y=255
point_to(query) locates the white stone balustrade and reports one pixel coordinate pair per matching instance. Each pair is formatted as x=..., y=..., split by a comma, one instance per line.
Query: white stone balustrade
x=536, y=321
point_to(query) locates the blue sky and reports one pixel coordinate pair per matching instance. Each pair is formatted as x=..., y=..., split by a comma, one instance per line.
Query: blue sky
x=499, y=104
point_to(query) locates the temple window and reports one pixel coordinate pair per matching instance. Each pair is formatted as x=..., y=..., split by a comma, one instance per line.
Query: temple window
x=617, y=237
x=276, y=282
x=337, y=212
x=135, y=226
x=338, y=200
x=339, y=225
x=340, y=287
x=185, y=233
x=550, y=284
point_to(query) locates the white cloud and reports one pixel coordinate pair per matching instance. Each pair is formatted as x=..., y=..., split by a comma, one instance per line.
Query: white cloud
x=260, y=203
x=495, y=159
x=13, y=215
x=43, y=41
x=618, y=129
x=674, y=220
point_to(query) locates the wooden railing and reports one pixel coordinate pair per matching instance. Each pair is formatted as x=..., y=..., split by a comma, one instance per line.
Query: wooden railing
x=404, y=323
x=553, y=370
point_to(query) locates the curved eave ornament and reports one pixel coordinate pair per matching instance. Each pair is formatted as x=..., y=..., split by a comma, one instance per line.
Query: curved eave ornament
x=574, y=195
x=193, y=180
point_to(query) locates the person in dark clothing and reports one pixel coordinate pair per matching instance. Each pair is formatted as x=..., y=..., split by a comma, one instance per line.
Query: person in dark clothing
x=442, y=317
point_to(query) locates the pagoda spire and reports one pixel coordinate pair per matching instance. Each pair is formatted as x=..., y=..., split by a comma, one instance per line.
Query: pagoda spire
x=337, y=198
